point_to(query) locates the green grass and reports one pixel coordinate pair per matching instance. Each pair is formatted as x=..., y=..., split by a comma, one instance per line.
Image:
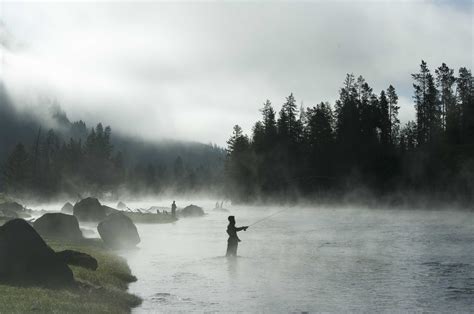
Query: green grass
x=151, y=218
x=100, y=291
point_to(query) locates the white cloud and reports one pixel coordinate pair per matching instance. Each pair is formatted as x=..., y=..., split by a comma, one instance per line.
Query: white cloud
x=192, y=70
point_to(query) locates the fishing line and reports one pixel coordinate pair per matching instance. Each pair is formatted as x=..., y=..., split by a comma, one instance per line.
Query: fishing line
x=265, y=218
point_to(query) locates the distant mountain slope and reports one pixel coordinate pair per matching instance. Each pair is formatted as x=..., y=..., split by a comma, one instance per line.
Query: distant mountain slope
x=14, y=127
x=23, y=127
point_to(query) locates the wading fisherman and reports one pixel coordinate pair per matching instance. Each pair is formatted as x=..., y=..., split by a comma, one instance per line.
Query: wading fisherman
x=173, y=209
x=233, y=240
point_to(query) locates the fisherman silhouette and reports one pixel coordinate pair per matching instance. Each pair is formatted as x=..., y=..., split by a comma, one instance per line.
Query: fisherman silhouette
x=173, y=209
x=233, y=240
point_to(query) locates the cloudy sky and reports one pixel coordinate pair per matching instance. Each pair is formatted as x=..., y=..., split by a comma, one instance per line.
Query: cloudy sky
x=192, y=70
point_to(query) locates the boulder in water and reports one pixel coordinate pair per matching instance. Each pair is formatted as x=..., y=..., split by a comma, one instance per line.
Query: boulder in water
x=191, y=211
x=121, y=206
x=76, y=258
x=58, y=226
x=25, y=259
x=118, y=231
x=67, y=208
x=89, y=209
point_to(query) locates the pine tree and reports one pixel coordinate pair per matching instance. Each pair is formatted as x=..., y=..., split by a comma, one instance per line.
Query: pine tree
x=319, y=130
x=288, y=126
x=450, y=113
x=269, y=123
x=348, y=126
x=17, y=170
x=392, y=98
x=51, y=171
x=319, y=138
x=240, y=166
x=258, y=137
x=384, y=116
x=465, y=91
x=427, y=105
x=269, y=146
x=237, y=142
x=408, y=136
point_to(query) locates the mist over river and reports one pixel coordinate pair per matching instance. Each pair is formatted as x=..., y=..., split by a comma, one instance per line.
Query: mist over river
x=307, y=259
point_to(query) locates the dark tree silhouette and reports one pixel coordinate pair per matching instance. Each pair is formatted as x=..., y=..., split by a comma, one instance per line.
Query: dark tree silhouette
x=17, y=171
x=317, y=151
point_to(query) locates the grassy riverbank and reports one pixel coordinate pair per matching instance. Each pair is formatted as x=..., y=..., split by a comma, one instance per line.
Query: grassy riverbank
x=100, y=291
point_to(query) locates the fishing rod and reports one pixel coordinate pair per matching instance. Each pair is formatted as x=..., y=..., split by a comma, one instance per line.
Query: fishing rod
x=265, y=218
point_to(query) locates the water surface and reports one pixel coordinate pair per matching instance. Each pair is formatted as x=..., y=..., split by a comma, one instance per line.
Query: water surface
x=311, y=259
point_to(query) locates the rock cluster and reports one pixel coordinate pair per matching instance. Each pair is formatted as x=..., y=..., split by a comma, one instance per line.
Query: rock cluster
x=58, y=226
x=67, y=208
x=118, y=231
x=191, y=211
x=25, y=259
x=89, y=209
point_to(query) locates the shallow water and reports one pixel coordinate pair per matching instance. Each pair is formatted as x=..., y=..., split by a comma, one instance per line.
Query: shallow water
x=313, y=259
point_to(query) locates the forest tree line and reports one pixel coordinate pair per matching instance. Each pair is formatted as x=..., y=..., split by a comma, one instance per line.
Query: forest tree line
x=90, y=166
x=324, y=150
x=358, y=143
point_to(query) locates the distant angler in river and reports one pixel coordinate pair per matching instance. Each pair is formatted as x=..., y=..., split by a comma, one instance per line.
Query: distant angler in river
x=233, y=241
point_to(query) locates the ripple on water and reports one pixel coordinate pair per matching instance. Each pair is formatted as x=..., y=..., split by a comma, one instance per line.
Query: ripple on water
x=319, y=261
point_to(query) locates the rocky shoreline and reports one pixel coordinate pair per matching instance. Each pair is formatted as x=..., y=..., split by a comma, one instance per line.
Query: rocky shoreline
x=47, y=265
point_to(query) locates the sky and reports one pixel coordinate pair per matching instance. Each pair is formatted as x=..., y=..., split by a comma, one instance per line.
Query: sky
x=192, y=70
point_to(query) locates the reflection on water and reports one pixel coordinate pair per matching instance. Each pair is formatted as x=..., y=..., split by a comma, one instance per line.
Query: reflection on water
x=328, y=260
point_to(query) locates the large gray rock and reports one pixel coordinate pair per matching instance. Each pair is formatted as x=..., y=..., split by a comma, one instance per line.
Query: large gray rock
x=67, y=208
x=25, y=259
x=89, y=209
x=118, y=231
x=76, y=258
x=191, y=211
x=58, y=226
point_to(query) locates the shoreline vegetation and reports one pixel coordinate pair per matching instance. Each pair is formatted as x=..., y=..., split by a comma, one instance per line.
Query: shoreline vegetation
x=100, y=291
x=358, y=144
x=103, y=290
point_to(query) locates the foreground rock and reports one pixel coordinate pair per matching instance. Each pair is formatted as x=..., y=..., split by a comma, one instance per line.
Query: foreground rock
x=58, y=226
x=118, y=231
x=191, y=211
x=89, y=209
x=25, y=259
x=76, y=258
x=67, y=208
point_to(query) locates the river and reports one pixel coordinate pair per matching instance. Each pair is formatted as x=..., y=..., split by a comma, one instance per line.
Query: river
x=308, y=259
